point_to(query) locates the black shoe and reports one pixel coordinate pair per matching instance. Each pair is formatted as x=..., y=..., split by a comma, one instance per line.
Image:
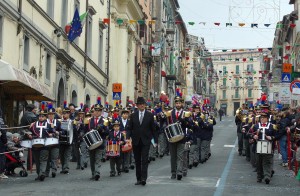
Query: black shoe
x=202, y=161
x=267, y=180
x=103, y=160
x=272, y=173
x=131, y=166
x=66, y=172
x=153, y=158
x=195, y=164
x=259, y=180
x=190, y=166
x=126, y=170
x=112, y=175
x=42, y=177
x=209, y=155
x=62, y=172
x=161, y=155
x=179, y=177
x=143, y=182
x=173, y=176
x=85, y=165
x=82, y=168
x=97, y=177
x=53, y=174
x=138, y=183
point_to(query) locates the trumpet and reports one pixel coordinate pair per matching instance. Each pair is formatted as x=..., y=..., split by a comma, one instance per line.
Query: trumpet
x=187, y=114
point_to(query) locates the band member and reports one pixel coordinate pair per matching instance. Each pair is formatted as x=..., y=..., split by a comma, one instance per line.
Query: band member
x=96, y=123
x=54, y=149
x=240, y=114
x=177, y=148
x=162, y=120
x=153, y=147
x=123, y=128
x=65, y=140
x=263, y=131
x=40, y=129
x=116, y=140
x=247, y=123
x=81, y=148
x=141, y=130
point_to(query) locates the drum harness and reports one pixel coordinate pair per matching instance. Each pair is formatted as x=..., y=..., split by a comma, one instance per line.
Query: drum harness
x=263, y=130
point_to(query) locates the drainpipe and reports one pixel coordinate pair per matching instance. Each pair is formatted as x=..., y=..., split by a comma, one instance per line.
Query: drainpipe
x=20, y=17
x=108, y=44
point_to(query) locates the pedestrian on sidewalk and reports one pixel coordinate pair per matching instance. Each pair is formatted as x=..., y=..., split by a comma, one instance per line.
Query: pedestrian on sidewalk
x=3, y=142
x=221, y=113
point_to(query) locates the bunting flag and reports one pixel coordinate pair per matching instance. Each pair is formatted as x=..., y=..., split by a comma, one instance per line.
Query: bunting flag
x=106, y=20
x=242, y=24
x=254, y=25
x=202, y=23
x=267, y=25
x=228, y=24
x=279, y=26
x=191, y=23
x=217, y=23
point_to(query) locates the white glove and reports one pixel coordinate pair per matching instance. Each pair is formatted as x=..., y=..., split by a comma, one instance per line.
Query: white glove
x=21, y=154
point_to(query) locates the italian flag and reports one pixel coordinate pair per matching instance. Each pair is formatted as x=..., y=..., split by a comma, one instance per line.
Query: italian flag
x=82, y=20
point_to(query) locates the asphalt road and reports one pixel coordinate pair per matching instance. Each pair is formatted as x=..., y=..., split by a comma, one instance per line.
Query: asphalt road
x=225, y=173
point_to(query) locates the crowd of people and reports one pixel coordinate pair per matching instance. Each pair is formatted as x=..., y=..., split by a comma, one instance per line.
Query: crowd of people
x=261, y=130
x=129, y=138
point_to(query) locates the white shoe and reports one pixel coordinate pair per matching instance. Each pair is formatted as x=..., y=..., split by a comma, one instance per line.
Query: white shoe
x=285, y=164
x=2, y=176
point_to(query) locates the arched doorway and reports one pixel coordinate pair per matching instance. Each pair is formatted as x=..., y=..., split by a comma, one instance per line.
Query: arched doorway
x=87, y=100
x=74, y=98
x=60, y=93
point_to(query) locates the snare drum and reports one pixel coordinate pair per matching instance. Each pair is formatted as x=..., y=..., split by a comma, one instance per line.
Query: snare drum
x=174, y=133
x=127, y=147
x=264, y=147
x=26, y=143
x=38, y=143
x=51, y=141
x=113, y=148
x=92, y=139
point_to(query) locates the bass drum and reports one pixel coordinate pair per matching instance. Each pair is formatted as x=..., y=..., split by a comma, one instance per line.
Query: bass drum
x=92, y=139
x=26, y=143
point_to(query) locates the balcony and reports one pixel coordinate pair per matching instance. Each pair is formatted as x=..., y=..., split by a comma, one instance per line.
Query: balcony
x=223, y=99
x=236, y=97
x=223, y=87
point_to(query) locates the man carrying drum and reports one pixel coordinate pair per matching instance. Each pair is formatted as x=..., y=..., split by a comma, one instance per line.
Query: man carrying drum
x=264, y=136
x=177, y=118
x=96, y=123
x=40, y=130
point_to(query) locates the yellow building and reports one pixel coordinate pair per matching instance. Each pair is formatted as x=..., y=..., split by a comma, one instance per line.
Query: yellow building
x=240, y=78
x=39, y=63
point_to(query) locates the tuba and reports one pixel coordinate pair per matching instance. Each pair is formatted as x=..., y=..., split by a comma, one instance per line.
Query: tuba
x=239, y=114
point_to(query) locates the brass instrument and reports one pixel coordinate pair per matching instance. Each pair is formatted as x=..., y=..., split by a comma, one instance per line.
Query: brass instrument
x=244, y=119
x=154, y=117
x=86, y=121
x=106, y=122
x=238, y=114
x=187, y=114
x=275, y=127
x=210, y=121
x=203, y=116
x=168, y=113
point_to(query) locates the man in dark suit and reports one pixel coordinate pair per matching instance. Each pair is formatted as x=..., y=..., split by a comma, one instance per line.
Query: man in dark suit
x=141, y=129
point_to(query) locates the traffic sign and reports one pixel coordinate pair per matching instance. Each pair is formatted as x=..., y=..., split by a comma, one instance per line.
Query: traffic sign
x=117, y=87
x=116, y=96
x=286, y=77
x=287, y=68
x=294, y=84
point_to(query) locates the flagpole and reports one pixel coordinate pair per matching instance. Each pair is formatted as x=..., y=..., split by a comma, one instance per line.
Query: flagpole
x=85, y=42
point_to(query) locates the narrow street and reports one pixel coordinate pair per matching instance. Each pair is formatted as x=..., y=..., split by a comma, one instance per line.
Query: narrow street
x=225, y=173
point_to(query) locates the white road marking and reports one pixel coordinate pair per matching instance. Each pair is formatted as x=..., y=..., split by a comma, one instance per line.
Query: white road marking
x=211, y=144
x=193, y=181
x=218, y=182
x=229, y=146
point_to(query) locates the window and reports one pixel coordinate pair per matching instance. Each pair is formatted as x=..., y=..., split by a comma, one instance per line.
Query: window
x=100, y=55
x=50, y=8
x=89, y=35
x=26, y=53
x=250, y=68
x=48, y=68
x=236, y=93
x=224, y=81
x=64, y=13
x=237, y=82
x=1, y=34
x=224, y=94
x=250, y=93
x=237, y=69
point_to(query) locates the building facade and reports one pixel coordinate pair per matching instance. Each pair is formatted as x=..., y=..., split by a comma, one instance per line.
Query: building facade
x=42, y=64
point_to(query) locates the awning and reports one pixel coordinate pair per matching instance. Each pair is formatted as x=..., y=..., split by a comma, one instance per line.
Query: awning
x=20, y=85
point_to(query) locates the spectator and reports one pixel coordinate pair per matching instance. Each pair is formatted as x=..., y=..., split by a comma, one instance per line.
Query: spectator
x=28, y=118
x=221, y=113
x=3, y=142
x=283, y=124
x=72, y=111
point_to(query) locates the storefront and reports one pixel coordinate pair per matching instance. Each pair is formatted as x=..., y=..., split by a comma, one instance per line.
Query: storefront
x=17, y=89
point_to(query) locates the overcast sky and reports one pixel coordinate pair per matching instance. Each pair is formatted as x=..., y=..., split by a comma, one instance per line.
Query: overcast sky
x=260, y=12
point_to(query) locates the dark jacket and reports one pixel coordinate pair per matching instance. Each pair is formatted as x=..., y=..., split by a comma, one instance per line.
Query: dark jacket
x=145, y=131
x=283, y=124
x=28, y=118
